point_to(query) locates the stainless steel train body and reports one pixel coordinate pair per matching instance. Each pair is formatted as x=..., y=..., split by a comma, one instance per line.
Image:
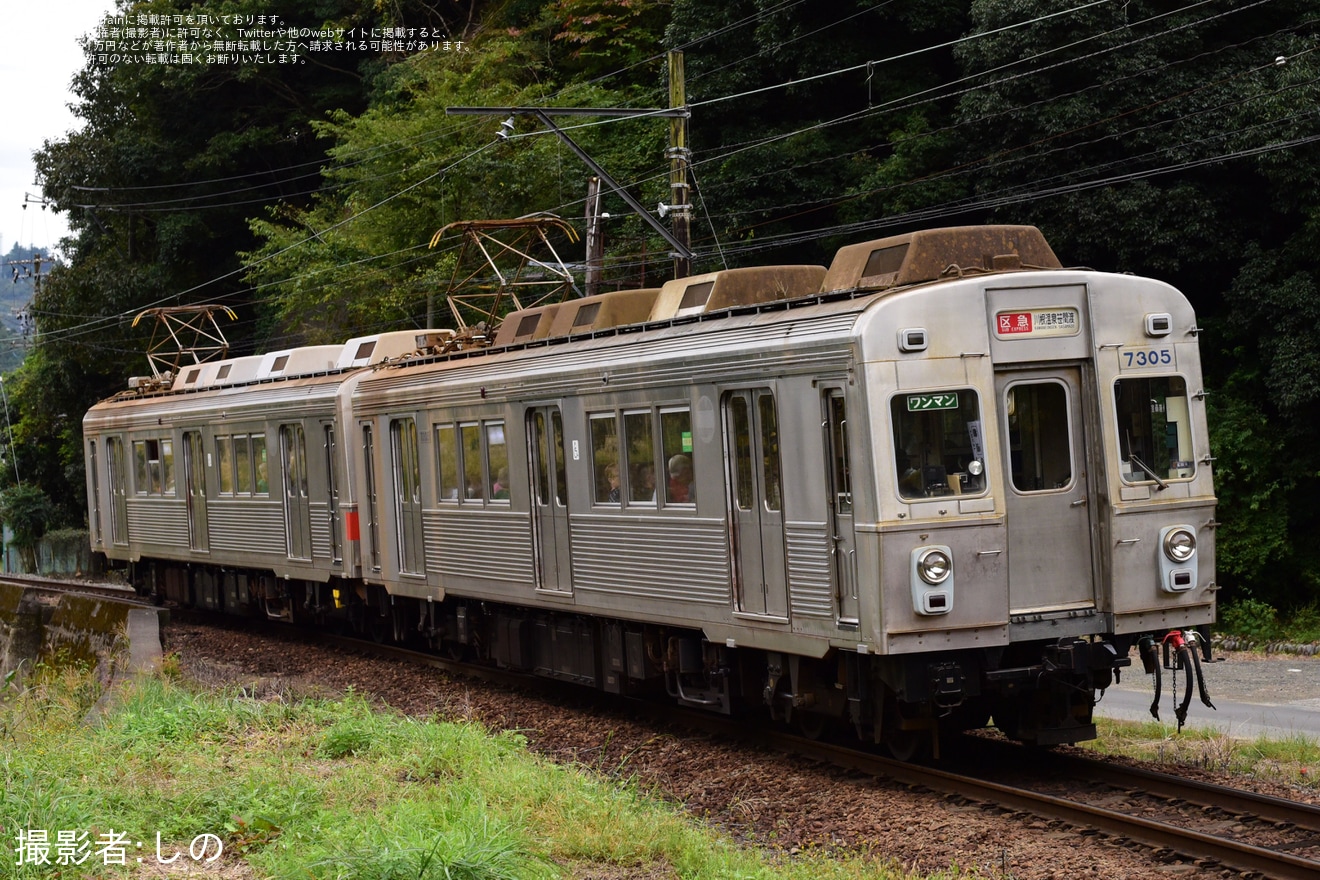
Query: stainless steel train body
x=942, y=481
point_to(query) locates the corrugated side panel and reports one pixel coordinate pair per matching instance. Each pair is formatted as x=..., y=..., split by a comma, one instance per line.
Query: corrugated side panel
x=673, y=559
x=479, y=543
x=320, y=529
x=810, y=590
x=158, y=522
x=247, y=527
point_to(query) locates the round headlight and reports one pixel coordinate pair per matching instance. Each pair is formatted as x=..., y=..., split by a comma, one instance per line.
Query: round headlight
x=1179, y=545
x=934, y=566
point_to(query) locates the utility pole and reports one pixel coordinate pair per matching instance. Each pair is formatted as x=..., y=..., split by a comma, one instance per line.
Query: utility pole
x=594, y=241
x=679, y=156
x=680, y=251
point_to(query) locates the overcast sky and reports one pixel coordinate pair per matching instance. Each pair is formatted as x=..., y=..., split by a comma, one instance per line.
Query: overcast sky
x=39, y=55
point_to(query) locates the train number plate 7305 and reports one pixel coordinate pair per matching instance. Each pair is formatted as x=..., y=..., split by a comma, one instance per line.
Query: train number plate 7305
x=1146, y=358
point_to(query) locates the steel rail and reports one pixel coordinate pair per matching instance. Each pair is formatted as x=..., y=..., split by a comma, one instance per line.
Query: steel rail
x=1191, y=844
x=1231, y=800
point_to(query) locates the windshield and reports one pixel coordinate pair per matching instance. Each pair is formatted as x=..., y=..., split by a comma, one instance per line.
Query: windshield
x=1154, y=429
x=938, y=444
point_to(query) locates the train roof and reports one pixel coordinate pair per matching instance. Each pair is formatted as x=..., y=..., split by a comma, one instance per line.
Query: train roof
x=865, y=270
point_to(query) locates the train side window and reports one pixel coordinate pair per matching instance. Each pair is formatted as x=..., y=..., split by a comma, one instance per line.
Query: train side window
x=605, y=457
x=242, y=465
x=446, y=451
x=1154, y=429
x=939, y=445
x=153, y=464
x=639, y=432
x=260, y=468
x=676, y=450
x=472, y=479
x=497, y=462
x=224, y=462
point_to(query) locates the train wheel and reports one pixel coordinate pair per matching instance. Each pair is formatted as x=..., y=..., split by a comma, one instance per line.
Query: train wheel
x=907, y=745
x=813, y=725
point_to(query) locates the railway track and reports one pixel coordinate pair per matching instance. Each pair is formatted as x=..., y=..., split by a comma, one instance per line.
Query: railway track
x=1089, y=796
x=55, y=587
x=1295, y=825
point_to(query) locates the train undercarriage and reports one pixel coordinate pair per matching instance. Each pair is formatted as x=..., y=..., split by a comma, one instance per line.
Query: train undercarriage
x=1040, y=692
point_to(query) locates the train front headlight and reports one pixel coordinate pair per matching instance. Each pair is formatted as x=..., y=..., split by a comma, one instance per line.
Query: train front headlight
x=934, y=567
x=1180, y=544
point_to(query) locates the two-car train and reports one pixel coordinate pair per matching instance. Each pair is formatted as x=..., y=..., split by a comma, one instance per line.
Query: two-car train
x=941, y=481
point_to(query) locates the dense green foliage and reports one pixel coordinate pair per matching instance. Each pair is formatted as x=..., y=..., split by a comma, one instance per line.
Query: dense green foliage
x=1151, y=137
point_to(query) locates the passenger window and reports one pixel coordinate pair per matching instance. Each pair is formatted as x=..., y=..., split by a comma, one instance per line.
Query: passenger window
x=475, y=486
x=676, y=449
x=242, y=465
x=939, y=445
x=497, y=461
x=224, y=457
x=640, y=430
x=446, y=450
x=153, y=466
x=259, y=466
x=605, y=457
x=1039, y=444
x=1154, y=429
x=167, y=466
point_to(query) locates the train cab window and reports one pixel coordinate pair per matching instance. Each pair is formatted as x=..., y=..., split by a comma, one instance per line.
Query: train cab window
x=446, y=451
x=1039, y=439
x=605, y=458
x=154, y=467
x=1154, y=429
x=939, y=446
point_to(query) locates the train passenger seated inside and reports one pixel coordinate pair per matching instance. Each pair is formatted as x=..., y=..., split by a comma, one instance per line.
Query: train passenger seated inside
x=612, y=476
x=643, y=487
x=500, y=489
x=681, y=490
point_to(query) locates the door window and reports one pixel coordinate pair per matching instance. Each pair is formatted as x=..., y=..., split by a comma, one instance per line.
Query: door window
x=1039, y=437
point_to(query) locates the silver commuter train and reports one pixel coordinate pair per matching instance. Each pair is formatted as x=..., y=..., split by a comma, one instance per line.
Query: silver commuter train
x=942, y=481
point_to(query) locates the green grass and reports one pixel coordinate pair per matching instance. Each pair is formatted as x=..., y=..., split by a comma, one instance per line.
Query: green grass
x=337, y=790
x=1295, y=760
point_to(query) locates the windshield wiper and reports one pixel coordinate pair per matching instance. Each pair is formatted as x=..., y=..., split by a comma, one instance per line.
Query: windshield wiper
x=1145, y=467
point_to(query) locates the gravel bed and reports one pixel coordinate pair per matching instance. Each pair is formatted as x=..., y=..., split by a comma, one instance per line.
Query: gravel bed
x=762, y=799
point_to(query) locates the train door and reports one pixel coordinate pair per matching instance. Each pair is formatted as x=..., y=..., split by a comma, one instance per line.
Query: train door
x=194, y=490
x=843, y=545
x=297, y=510
x=550, y=538
x=369, y=471
x=1049, y=545
x=751, y=435
x=117, y=478
x=407, y=495
x=332, y=492
x=94, y=473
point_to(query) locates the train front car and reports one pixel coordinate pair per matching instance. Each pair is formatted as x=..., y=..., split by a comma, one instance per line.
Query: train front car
x=1043, y=496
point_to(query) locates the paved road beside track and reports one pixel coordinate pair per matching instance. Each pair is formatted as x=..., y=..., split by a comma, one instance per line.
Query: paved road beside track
x=1253, y=695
